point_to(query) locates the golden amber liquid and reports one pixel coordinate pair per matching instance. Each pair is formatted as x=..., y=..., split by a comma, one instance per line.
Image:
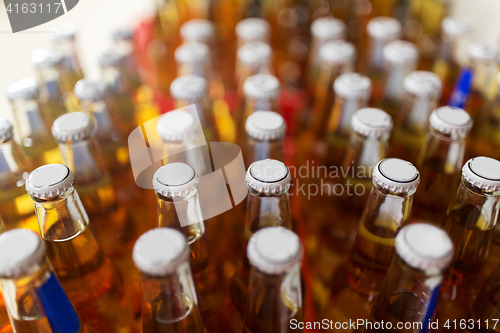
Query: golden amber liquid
x=43, y=153
x=5, y=325
x=485, y=311
x=17, y=209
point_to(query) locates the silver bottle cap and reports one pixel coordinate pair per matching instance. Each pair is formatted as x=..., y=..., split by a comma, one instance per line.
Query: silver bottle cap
x=396, y=175
x=353, y=86
x=337, y=52
x=371, y=122
x=175, y=180
x=93, y=90
x=45, y=58
x=483, y=172
x=384, y=28
x=268, y=176
x=24, y=89
x=480, y=51
x=423, y=84
x=197, y=30
x=265, y=125
x=6, y=130
x=261, y=86
x=450, y=120
x=65, y=31
x=20, y=251
x=454, y=27
x=401, y=53
x=255, y=53
x=253, y=30
x=192, y=53
x=73, y=127
x=49, y=181
x=190, y=88
x=175, y=126
x=328, y=28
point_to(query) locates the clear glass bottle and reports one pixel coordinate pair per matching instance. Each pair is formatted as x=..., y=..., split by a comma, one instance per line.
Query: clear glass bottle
x=31, y=122
x=123, y=39
x=252, y=58
x=410, y=290
x=388, y=208
x=169, y=301
x=275, y=295
x=440, y=161
x=35, y=300
x=193, y=58
x=421, y=92
x=92, y=283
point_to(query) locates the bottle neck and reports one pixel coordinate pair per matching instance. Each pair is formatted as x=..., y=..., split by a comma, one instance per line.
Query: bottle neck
x=393, y=81
x=257, y=150
x=204, y=113
x=444, y=153
x=413, y=116
x=363, y=154
x=447, y=49
x=31, y=125
x=376, y=61
x=105, y=131
x=257, y=104
x=51, y=80
x=13, y=165
x=201, y=68
x=339, y=123
x=116, y=80
x=483, y=76
x=192, y=151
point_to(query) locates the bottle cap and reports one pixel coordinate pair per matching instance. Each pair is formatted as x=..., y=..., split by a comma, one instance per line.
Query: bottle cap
x=483, y=172
x=197, y=30
x=122, y=34
x=190, y=88
x=6, y=130
x=192, y=53
x=451, y=120
x=160, y=251
x=396, y=175
x=328, y=28
x=255, y=53
x=274, y=250
x=268, y=176
x=45, y=58
x=90, y=90
x=353, y=86
x=65, y=31
x=424, y=247
x=384, y=28
x=483, y=52
x=261, y=86
x=176, y=126
x=73, y=127
x=401, y=53
x=337, y=52
x=20, y=250
x=25, y=89
x=253, y=30
x=454, y=27
x=371, y=122
x=175, y=180
x=423, y=84
x=49, y=181
x=112, y=58
x=265, y=125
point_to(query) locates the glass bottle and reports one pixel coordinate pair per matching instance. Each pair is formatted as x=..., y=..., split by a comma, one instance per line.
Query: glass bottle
x=5, y=324
x=178, y=207
x=410, y=290
x=388, y=208
x=92, y=283
x=32, y=123
x=421, y=92
x=34, y=297
x=268, y=205
x=252, y=58
x=274, y=300
x=169, y=301
x=440, y=162
x=15, y=204
x=123, y=39
x=47, y=63
x=193, y=58
x=470, y=220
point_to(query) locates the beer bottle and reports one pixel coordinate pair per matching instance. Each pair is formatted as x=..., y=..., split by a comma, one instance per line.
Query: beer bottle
x=274, y=292
x=268, y=205
x=446, y=64
x=193, y=58
x=470, y=220
x=169, y=302
x=400, y=58
x=388, y=208
x=440, y=161
x=252, y=58
x=178, y=207
x=93, y=284
x=251, y=30
x=32, y=123
x=47, y=63
x=35, y=300
x=408, y=296
x=15, y=204
x=421, y=92
x=123, y=39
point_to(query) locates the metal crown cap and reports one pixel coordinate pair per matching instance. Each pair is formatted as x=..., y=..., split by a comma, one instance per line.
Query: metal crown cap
x=483, y=172
x=90, y=89
x=265, y=125
x=253, y=30
x=400, y=53
x=45, y=58
x=6, y=130
x=328, y=28
x=337, y=52
x=122, y=34
x=455, y=27
x=160, y=251
x=175, y=180
x=451, y=120
x=353, y=86
x=176, y=126
x=274, y=250
x=49, y=181
x=73, y=127
x=190, y=88
x=255, y=53
x=423, y=84
x=262, y=86
x=396, y=175
x=192, y=53
x=268, y=176
x=20, y=251
x=371, y=122
x=65, y=31
x=384, y=28
x=483, y=52
x=112, y=58
x=424, y=247
x=25, y=89
x=197, y=30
